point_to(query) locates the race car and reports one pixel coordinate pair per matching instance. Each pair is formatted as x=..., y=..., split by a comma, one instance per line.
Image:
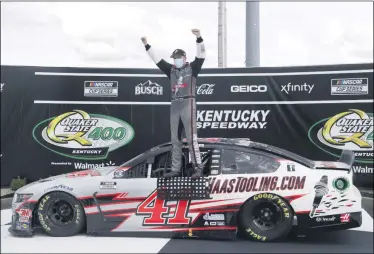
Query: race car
x=249, y=189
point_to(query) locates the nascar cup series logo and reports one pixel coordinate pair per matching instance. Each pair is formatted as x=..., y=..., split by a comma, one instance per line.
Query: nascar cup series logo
x=350, y=130
x=101, y=88
x=350, y=86
x=80, y=135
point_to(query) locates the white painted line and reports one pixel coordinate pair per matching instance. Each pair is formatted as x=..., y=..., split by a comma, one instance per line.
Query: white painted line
x=202, y=102
x=101, y=102
x=6, y=216
x=204, y=75
x=281, y=102
x=79, y=244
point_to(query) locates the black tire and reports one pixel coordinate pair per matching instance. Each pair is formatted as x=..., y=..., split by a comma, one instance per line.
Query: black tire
x=61, y=214
x=253, y=212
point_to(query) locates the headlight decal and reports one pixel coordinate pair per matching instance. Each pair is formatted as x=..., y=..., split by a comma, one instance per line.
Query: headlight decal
x=22, y=197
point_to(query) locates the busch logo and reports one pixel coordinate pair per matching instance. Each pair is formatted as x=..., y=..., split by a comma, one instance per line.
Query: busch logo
x=205, y=89
x=148, y=88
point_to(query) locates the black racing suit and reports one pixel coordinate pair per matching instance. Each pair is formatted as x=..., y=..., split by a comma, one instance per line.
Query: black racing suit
x=183, y=104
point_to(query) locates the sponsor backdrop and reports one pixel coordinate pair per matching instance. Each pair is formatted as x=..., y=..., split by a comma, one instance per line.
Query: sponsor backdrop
x=58, y=120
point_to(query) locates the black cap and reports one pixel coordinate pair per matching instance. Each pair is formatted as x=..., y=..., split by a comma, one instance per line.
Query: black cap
x=178, y=53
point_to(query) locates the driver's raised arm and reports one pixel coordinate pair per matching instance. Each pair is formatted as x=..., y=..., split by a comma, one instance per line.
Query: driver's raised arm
x=164, y=66
x=200, y=53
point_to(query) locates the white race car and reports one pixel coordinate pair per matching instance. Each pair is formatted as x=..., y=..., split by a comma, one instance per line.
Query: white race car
x=260, y=191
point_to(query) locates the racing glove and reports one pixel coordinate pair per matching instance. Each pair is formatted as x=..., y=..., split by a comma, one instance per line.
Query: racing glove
x=200, y=47
x=150, y=51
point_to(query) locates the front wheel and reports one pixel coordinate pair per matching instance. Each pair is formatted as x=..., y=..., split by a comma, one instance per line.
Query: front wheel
x=265, y=217
x=61, y=214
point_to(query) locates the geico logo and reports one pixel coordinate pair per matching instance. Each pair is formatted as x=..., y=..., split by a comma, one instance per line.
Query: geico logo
x=249, y=88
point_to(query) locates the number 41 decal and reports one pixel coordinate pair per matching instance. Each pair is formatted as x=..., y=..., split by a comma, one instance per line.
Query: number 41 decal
x=157, y=210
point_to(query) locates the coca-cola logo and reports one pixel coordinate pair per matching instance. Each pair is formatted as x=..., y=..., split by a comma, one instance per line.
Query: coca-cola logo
x=205, y=89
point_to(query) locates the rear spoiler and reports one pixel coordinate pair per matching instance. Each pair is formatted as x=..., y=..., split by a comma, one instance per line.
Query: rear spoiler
x=347, y=157
x=345, y=162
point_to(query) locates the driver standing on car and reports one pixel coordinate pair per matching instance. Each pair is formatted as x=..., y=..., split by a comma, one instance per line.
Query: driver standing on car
x=182, y=77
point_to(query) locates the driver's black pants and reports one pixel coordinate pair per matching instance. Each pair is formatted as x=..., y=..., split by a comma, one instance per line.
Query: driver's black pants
x=183, y=119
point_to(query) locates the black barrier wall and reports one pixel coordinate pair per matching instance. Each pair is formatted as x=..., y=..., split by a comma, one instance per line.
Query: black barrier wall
x=57, y=120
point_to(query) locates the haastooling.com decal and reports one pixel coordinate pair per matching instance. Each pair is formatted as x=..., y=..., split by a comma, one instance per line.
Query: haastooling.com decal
x=81, y=135
x=350, y=130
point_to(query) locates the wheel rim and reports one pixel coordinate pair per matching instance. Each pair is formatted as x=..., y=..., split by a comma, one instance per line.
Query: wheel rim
x=60, y=212
x=266, y=216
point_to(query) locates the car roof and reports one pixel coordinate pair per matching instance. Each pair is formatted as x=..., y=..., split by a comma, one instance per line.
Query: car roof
x=246, y=142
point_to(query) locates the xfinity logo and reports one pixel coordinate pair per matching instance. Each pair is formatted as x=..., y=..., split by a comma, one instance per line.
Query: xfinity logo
x=249, y=88
x=148, y=88
x=297, y=88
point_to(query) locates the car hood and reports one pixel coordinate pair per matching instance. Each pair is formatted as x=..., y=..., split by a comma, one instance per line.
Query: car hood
x=84, y=173
x=72, y=175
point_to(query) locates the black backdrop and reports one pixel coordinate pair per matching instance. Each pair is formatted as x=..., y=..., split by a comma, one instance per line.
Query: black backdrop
x=262, y=111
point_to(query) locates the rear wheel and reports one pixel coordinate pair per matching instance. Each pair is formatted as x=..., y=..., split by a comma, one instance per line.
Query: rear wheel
x=61, y=214
x=265, y=217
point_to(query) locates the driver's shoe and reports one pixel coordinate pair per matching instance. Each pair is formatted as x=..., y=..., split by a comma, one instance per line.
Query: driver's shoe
x=172, y=174
x=198, y=173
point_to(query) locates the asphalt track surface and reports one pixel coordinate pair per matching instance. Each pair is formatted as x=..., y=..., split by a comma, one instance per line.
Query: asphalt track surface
x=349, y=241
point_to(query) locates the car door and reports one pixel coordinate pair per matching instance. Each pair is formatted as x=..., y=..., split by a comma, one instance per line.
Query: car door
x=250, y=171
x=242, y=171
x=136, y=187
